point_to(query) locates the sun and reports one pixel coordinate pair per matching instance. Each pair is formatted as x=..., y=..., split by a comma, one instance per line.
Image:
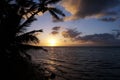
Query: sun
x=52, y=42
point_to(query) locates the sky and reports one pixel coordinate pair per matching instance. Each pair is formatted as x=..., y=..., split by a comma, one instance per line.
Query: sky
x=87, y=23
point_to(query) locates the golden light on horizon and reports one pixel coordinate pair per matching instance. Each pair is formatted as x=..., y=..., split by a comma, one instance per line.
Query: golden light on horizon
x=52, y=42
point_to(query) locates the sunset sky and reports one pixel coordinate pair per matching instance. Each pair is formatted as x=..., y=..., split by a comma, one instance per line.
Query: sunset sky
x=87, y=22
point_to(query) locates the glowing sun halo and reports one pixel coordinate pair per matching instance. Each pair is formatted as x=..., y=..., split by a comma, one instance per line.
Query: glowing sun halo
x=52, y=42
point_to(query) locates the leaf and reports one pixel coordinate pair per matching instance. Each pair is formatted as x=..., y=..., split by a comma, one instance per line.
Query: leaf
x=54, y=15
x=58, y=11
x=26, y=38
x=27, y=47
x=32, y=32
x=26, y=23
x=52, y=1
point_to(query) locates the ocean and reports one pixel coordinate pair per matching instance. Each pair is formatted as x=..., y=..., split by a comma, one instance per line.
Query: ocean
x=81, y=63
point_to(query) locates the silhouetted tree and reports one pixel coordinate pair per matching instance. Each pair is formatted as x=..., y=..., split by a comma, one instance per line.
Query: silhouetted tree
x=15, y=16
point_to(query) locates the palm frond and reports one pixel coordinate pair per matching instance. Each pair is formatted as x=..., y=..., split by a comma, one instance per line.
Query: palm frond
x=27, y=38
x=31, y=9
x=27, y=47
x=9, y=1
x=58, y=11
x=24, y=47
x=54, y=14
x=42, y=1
x=52, y=1
x=43, y=9
x=32, y=32
x=27, y=23
x=24, y=3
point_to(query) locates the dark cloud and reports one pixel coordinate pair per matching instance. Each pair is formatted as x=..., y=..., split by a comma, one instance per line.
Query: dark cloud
x=90, y=8
x=93, y=39
x=116, y=33
x=71, y=33
x=58, y=20
x=56, y=28
x=110, y=19
x=54, y=32
x=98, y=37
x=101, y=39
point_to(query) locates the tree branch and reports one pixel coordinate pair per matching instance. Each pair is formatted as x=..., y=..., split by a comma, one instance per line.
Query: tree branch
x=21, y=26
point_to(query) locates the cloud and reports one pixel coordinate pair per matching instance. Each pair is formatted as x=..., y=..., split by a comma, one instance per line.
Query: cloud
x=110, y=19
x=58, y=20
x=101, y=39
x=93, y=39
x=54, y=32
x=56, y=28
x=71, y=33
x=98, y=37
x=116, y=33
x=90, y=8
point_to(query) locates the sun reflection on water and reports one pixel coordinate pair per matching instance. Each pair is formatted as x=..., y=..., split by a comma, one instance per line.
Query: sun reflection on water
x=50, y=62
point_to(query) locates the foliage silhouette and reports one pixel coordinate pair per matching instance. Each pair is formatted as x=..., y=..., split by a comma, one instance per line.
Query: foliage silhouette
x=15, y=17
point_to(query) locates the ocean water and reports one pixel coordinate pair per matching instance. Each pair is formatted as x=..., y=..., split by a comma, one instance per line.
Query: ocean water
x=81, y=63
